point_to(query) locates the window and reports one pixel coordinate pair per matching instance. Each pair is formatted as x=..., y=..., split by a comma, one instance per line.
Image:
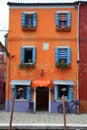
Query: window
x=21, y=91
x=28, y=54
x=63, y=90
x=29, y=20
x=63, y=55
x=63, y=20
x=28, y=57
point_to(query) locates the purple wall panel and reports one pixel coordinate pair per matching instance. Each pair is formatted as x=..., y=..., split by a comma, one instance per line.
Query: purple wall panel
x=20, y=106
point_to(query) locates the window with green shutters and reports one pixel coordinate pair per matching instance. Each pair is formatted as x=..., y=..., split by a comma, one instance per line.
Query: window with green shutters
x=29, y=20
x=28, y=56
x=63, y=20
x=63, y=56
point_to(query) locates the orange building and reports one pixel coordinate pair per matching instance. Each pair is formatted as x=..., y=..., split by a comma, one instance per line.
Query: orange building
x=43, y=47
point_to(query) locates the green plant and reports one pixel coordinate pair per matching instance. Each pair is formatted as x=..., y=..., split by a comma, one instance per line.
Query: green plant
x=62, y=65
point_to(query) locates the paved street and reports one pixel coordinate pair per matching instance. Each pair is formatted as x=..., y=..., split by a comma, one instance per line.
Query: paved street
x=43, y=120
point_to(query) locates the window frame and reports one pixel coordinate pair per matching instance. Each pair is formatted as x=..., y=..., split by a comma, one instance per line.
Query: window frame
x=25, y=18
x=70, y=90
x=24, y=64
x=66, y=55
x=27, y=95
x=68, y=21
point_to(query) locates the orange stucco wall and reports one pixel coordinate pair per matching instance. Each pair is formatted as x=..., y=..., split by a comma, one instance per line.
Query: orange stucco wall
x=45, y=59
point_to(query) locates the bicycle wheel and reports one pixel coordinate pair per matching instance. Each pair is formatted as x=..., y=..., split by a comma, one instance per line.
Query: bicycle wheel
x=60, y=108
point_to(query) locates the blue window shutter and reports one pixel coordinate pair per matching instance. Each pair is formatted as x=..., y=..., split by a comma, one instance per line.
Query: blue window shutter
x=23, y=19
x=56, y=92
x=62, y=54
x=34, y=19
x=14, y=92
x=28, y=94
x=34, y=55
x=68, y=19
x=68, y=56
x=57, y=55
x=57, y=20
x=70, y=93
x=22, y=55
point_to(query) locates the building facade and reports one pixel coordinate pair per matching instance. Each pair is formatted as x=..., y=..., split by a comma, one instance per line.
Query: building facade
x=83, y=59
x=43, y=47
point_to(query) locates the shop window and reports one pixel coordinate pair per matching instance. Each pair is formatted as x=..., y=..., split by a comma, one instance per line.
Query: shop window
x=29, y=20
x=63, y=20
x=21, y=92
x=63, y=56
x=28, y=55
x=63, y=90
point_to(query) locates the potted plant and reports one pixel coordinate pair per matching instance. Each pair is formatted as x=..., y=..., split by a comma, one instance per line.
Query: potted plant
x=62, y=64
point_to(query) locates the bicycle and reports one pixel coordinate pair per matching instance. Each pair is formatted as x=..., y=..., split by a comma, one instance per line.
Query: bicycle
x=73, y=108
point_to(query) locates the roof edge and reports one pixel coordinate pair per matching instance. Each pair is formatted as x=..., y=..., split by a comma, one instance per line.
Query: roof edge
x=38, y=4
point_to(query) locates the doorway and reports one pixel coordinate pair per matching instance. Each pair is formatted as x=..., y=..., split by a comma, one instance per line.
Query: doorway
x=42, y=98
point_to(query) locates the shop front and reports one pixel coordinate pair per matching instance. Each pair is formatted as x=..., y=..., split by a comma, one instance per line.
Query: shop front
x=38, y=95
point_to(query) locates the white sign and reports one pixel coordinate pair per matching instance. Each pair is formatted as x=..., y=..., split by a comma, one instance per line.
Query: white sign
x=45, y=46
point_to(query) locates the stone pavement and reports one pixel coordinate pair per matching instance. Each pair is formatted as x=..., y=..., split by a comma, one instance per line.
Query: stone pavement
x=43, y=120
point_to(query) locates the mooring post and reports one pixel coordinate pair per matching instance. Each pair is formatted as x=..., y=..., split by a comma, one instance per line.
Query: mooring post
x=11, y=115
x=64, y=113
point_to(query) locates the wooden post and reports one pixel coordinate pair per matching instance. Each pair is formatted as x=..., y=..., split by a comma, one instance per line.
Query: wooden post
x=11, y=115
x=64, y=113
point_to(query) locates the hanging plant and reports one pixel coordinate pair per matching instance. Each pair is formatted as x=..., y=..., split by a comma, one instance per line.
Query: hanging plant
x=62, y=65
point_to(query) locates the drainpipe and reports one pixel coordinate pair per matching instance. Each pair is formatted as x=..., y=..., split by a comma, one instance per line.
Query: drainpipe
x=78, y=56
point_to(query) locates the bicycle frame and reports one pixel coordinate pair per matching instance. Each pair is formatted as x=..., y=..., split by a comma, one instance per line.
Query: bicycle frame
x=69, y=108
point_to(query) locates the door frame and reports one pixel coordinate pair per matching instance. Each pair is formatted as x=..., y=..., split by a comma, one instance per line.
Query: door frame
x=49, y=100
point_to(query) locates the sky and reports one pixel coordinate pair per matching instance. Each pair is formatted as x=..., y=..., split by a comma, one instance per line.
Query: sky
x=4, y=13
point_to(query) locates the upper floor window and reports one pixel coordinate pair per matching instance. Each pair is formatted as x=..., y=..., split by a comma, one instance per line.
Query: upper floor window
x=63, y=56
x=63, y=20
x=28, y=56
x=29, y=20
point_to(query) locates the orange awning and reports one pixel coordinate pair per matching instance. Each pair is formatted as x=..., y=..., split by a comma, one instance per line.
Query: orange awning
x=41, y=82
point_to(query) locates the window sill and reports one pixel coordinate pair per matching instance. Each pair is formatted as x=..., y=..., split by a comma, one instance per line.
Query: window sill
x=63, y=29
x=62, y=100
x=27, y=65
x=18, y=100
x=28, y=28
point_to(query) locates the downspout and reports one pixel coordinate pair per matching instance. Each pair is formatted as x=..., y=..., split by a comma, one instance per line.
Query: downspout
x=78, y=48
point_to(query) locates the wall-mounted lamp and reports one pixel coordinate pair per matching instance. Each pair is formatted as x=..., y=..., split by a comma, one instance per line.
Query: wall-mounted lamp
x=42, y=72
